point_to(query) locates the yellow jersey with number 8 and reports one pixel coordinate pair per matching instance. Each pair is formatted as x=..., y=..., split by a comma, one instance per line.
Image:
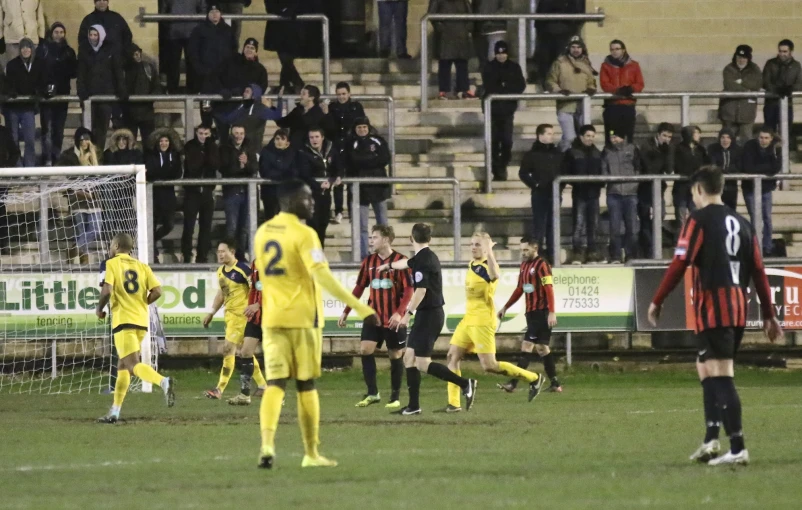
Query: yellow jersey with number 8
x=287, y=253
x=131, y=281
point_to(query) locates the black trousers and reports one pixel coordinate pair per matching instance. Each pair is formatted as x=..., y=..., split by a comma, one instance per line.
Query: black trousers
x=198, y=205
x=101, y=116
x=501, y=129
x=619, y=116
x=548, y=47
x=164, y=205
x=143, y=128
x=320, y=221
x=270, y=200
x=172, y=67
x=289, y=76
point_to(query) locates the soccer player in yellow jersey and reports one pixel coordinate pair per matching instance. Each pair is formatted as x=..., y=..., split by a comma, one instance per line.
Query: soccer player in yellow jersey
x=477, y=330
x=131, y=287
x=234, y=278
x=293, y=269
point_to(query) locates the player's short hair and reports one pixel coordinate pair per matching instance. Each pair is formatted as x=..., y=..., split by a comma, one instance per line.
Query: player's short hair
x=282, y=133
x=711, y=178
x=343, y=85
x=287, y=190
x=385, y=231
x=541, y=128
x=421, y=233
x=124, y=242
x=230, y=242
x=530, y=241
x=584, y=129
x=665, y=127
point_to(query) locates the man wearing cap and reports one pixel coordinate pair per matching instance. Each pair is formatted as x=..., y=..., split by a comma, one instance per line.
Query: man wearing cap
x=571, y=73
x=502, y=76
x=177, y=34
x=24, y=77
x=782, y=75
x=621, y=158
x=20, y=19
x=118, y=33
x=741, y=75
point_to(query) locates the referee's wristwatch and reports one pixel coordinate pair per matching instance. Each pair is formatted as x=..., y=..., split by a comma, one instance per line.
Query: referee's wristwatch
x=410, y=312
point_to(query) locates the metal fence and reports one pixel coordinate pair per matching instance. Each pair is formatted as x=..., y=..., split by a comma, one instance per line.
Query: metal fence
x=144, y=17
x=685, y=105
x=598, y=17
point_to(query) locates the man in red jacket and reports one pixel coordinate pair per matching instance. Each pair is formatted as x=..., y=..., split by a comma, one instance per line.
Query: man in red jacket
x=620, y=75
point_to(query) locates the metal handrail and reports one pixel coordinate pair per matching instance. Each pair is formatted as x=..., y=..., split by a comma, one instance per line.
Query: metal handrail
x=684, y=97
x=144, y=17
x=522, y=53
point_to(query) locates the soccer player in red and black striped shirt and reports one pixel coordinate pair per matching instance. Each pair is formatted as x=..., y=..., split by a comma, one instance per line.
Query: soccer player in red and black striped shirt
x=253, y=335
x=535, y=282
x=724, y=255
x=390, y=293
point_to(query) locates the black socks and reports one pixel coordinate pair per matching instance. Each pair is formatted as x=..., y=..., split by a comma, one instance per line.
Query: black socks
x=729, y=405
x=550, y=366
x=442, y=372
x=523, y=362
x=245, y=374
x=413, y=387
x=396, y=375
x=369, y=372
x=712, y=413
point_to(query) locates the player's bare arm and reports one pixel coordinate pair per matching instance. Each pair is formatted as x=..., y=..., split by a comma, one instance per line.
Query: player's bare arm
x=154, y=295
x=493, y=269
x=251, y=310
x=216, y=306
x=105, y=297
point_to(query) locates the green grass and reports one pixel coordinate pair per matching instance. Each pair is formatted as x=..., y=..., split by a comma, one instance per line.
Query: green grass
x=611, y=440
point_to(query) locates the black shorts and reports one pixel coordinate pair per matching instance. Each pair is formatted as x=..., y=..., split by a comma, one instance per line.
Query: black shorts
x=425, y=331
x=537, y=327
x=253, y=331
x=719, y=343
x=395, y=339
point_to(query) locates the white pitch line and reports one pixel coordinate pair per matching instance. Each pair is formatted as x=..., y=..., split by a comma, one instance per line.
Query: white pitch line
x=93, y=465
x=768, y=406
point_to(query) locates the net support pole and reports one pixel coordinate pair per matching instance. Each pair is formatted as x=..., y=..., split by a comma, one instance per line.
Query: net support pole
x=144, y=203
x=555, y=210
x=685, y=114
x=53, y=360
x=522, y=52
x=356, y=229
x=757, y=211
x=457, y=197
x=568, y=357
x=324, y=26
x=86, y=117
x=189, y=119
x=785, y=137
x=44, y=232
x=657, y=219
x=253, y=214
x=424, y=63
x=488, y=146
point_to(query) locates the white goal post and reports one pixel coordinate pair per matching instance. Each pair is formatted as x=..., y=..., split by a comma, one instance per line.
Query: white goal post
x=56, y=224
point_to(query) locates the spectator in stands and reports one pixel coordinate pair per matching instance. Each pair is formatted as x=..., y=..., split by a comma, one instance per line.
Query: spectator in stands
x=689, y=157
x=123, y=149
x=339, y=120
x=393, y=28
x=201, y=161
x=321, y=163
x=492, y=30
x=142, y=79
x=178, y=33
x=657, y=158
x=237, y=161
x=285, y=38
x=235, y=7
x=620, y=75
x=554, y=36
x=60, y=66
x=453, y=46
x=583, y=158
x=782, y=75
x=278, y=161
x=502, y=76
x=100, y=72
x=727, y=155
x=540, y=166
x=20, y=19
x=571, y=73
x=367, y=156
x=762, y=155
x=9, y=157
x=25, y=77
x=118, y=33
x=242, y=71
x=622, y=158
x=163, y=163
x=253, y=113
x=741, y=75
x=306, y=115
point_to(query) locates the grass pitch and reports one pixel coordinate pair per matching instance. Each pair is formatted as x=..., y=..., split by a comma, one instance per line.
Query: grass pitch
x=611, y=440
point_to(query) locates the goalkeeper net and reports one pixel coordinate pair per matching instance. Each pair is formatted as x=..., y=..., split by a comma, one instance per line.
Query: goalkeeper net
x=56, y=225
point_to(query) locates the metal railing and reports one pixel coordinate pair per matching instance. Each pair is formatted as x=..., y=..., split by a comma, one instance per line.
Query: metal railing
x=355, y=187
x=657, y=202
x=144, y=17
x=598, y=17
x=685, y=115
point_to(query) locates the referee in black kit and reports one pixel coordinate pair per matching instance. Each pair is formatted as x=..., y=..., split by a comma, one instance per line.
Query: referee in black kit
x=427, y=302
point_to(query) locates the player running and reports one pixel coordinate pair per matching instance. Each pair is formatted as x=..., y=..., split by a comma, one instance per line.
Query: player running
x=724, y=256
x=233, y=276
x=535, y=280
x=389, y=295
x=476, y=331
x=292, y=269
x=131, y=287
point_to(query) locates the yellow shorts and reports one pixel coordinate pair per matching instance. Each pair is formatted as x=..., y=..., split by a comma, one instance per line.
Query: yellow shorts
x=478, y=339
x=292, y=353
x=128, y=341
x=235, y=328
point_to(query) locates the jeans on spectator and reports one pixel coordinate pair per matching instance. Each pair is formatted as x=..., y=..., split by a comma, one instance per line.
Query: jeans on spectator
x=233, y=8
x=645, y=235
x=289, y=76
x=235, y=203
x=543, y=221
x=749, y=198
x=87, y=229
x=444, y=74
x=619, y=116
x=53, y=118
x=570, y=124
x=393, y=26
x=771, y=115
x=623, y=211
x=501, y=131
x=380, y=210
x=198, y=205
x=586, y=221
x=23, y=124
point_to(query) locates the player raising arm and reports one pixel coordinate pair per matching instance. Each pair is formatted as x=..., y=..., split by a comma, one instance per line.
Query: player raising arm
x=131, y=287
x=293, y=269
x=724, y=255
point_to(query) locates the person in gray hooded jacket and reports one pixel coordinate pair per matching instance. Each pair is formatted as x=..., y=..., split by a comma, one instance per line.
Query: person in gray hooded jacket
x=621, y=158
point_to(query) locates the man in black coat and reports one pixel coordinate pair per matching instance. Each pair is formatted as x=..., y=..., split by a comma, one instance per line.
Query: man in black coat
x=237, y=160
x=554, y=36
x=762, y=155
x=279, y=161
x=340, y=117
x=285, y=37
x=304, y=117
x=142, y=79
x=163, y=163
x=782, y=75
x=24, y=77
x=727, y=155
x=540, y=166
x=242, y=71
x=117, y=29
x=502, y=76
x=60, y=66
x=201, y=161
x=657, y=158
x=321, y=162
x=584, y=158
x=689, y=156
x=9, y=156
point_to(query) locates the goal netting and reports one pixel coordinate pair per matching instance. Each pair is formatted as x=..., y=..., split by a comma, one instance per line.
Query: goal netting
x=56, y=225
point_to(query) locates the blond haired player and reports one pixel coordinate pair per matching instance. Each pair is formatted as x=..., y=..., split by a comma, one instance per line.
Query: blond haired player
x=131, y=287
x=476, y=331
x=292, y=269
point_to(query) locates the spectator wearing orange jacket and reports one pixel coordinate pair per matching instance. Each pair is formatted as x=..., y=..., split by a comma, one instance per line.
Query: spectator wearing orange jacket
x=620, y=75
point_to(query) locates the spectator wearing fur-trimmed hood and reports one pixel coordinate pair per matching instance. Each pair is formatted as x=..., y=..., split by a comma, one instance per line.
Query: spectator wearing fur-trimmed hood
x=123, y=149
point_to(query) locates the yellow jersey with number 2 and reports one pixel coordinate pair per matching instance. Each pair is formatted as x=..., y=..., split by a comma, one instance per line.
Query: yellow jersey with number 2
x=131, y=281
x=287, y=253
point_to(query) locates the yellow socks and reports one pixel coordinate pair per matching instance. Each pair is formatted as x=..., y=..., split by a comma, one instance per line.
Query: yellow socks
x=225, y=372
x=455, y=392
x=258, y=378
x=121, y=387
x=269, y=413
x=516, y=371
x=309, y=420
x=146, y=373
